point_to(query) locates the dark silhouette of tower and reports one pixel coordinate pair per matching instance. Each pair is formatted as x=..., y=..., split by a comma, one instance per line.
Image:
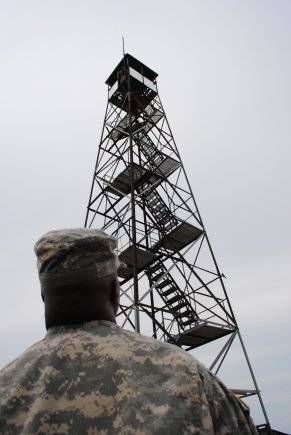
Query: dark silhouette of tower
x=172, y=288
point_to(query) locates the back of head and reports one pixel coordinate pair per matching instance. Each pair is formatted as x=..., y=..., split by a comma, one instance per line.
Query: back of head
x=78, y=275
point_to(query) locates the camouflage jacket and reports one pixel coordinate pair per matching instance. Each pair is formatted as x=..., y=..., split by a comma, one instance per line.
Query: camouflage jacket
x=97, y=378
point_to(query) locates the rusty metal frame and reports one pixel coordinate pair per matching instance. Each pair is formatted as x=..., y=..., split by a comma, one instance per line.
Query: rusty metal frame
x=137, y=145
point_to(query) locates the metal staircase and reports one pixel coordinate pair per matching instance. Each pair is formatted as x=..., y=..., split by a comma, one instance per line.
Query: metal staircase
x=173, y=297
x=158, y=208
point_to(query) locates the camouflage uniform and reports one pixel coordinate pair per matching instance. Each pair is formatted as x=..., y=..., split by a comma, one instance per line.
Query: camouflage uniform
x=96, y=378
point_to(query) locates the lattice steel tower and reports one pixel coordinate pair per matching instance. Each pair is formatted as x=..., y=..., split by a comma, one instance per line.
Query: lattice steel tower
x=172, y=288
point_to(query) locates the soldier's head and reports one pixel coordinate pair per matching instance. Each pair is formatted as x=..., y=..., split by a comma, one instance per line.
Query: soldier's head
x=78, y=275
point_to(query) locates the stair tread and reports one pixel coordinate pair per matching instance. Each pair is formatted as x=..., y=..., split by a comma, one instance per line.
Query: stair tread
x=164, y=283
x=175, y=299
x=182, y=304
x=169, y=291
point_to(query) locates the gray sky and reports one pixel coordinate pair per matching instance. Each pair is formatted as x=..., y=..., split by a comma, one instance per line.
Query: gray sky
x=224, y=80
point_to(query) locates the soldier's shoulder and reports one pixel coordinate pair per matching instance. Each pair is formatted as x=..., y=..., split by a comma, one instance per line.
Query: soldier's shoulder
x=23, y=359
x=150, y=344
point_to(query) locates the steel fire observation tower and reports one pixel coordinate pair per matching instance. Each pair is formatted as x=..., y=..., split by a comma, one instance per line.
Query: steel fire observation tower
x=172, y=288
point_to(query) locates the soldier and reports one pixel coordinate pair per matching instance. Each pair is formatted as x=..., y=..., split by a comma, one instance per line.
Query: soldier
x=89, y=376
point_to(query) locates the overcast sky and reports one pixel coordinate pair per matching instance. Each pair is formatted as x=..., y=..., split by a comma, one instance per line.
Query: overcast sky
x=224, y=80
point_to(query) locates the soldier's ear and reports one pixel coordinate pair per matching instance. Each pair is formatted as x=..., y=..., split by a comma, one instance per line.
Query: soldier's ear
x=115, y=294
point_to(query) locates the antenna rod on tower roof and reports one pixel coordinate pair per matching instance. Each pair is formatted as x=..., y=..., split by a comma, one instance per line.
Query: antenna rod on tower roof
x=123, y=46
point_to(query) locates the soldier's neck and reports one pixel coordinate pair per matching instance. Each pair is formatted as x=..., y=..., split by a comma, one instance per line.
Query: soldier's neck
x=77, y=309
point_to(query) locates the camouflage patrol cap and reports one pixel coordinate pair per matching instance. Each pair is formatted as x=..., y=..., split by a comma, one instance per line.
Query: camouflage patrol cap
x=75, y=255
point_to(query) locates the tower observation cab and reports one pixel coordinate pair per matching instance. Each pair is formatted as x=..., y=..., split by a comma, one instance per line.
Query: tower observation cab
x=142, y=83
x=172, y=288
